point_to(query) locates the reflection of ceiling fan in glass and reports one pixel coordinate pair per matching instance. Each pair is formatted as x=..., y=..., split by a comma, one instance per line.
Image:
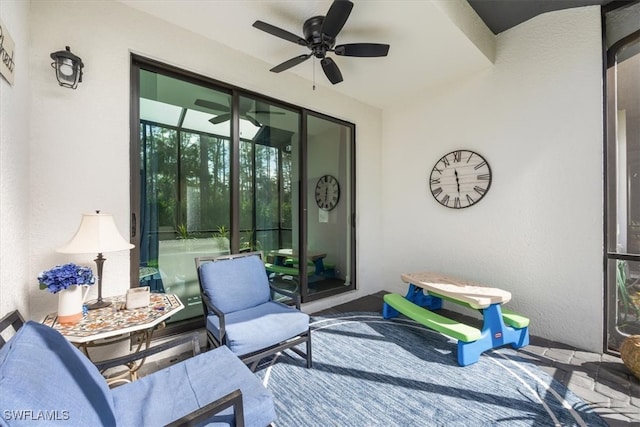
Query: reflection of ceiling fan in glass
x=320, y=37
x=246, y=110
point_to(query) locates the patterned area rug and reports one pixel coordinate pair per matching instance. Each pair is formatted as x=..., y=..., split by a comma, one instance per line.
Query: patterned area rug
x=368, y=371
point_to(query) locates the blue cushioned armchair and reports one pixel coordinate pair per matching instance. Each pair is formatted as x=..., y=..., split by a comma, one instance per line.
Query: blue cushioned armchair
x=45, y=378
x=241, y=314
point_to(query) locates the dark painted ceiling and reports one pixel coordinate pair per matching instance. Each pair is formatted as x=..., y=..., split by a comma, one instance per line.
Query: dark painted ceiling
x=500, y=15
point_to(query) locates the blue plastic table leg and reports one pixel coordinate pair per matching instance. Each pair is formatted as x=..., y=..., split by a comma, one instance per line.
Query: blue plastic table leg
x=388, y=312
x=494, y=334
x=416, y=295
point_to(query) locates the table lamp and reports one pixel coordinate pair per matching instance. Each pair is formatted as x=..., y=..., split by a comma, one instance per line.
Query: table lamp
x=97, y=233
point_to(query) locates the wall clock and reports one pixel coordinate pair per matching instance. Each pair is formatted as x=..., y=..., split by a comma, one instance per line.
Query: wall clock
x=460, y=179
x=327, y=192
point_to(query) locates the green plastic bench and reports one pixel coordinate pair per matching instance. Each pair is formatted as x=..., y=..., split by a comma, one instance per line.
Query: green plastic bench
x=432, y=320
x=288, y=271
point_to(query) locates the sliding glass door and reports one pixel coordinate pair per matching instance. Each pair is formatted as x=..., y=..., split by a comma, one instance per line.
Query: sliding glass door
x=329, y=228
x=216, y=170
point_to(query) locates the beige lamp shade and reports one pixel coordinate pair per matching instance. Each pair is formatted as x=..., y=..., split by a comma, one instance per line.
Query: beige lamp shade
x=97, y=234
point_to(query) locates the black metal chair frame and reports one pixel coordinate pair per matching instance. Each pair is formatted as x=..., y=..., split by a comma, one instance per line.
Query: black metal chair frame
x=233, y=399
x=252, y=359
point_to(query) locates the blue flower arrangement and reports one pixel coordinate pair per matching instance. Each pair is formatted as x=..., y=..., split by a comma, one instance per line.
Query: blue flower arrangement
x=62, y=276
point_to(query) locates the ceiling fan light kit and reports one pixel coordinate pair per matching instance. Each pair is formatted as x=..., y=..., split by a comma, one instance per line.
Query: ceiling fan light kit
x=320, y=34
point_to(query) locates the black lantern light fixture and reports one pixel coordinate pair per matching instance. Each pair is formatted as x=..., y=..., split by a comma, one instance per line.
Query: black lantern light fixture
x=68, y=68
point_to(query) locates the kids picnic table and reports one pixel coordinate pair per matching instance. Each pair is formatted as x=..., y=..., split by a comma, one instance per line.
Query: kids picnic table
x=427, y=291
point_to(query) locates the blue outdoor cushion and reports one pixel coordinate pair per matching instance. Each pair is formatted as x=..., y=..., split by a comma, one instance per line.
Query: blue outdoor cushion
x=235, y=284
x=259, y=327
x=45, y=380
x=175, y=391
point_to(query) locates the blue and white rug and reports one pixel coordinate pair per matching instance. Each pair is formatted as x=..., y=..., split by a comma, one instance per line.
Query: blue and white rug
x=368, y=371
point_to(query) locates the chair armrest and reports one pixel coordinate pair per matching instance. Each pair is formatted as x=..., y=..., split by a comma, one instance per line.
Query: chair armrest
x=193, y=338
x=13, y=319
x=295, y=297
x=232, y=399
x=211, y=307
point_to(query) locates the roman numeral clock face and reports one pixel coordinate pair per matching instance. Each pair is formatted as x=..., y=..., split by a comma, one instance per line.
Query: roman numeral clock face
x=327, y=192
x=460, y=179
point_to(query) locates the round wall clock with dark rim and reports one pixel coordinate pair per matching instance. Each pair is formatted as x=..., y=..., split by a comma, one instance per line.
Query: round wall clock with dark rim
x=460, y=179
x=327, y=192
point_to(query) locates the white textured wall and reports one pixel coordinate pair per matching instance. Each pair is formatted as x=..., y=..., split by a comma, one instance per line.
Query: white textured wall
x=14, y=165
x=80, y=139
x=536, y=116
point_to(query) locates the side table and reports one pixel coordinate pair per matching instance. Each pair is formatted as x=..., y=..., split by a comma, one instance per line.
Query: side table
x=113, y=324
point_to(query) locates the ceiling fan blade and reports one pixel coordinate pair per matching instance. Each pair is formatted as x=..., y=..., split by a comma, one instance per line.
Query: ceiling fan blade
x=221, y=118
x=336, y=18
x=252, y=120
x=331, y=70
x=362, y=49
x=211, y=105
x=290, y=63
x=279, y=32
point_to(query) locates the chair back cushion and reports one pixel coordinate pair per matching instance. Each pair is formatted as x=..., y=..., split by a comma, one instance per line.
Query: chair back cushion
x=45, y=378
x=236, y=283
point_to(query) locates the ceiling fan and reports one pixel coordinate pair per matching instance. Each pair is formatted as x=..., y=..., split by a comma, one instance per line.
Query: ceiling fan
x=320, y=37
x=245, y=108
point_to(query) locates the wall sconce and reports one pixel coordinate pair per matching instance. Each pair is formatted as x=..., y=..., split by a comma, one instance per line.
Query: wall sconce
x=68, y=68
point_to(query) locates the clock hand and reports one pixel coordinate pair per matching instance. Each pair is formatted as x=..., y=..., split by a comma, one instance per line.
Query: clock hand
x=457, y=180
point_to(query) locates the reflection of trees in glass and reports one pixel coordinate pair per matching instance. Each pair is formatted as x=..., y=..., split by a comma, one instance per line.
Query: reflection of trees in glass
x=286, y=214
x=265, y=162
x=205, y=176
x=246, y=185
x=193, y=193
x=160, y=157
x=266, y=187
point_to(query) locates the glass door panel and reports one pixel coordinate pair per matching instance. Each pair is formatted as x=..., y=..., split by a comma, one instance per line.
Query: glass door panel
x=268, y=205
x=185, y=168
x=329, y=239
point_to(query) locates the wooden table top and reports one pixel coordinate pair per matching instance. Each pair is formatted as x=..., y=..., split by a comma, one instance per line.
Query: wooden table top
x=474, y=294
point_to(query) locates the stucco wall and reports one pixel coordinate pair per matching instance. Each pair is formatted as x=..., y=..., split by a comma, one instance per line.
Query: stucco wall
x=536, y=117
x=14, y=165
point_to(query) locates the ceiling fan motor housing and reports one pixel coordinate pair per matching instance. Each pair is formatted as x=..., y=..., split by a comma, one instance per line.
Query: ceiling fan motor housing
x=318, y=43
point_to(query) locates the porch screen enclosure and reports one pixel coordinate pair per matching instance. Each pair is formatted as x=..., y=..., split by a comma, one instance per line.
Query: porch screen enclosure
x=622, y=211
x=217, y=170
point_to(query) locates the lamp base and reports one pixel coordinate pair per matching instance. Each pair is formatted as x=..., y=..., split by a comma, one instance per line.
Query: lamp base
x=99, y=304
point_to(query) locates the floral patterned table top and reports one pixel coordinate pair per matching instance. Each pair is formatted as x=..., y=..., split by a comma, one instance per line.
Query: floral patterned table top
x=116, y=320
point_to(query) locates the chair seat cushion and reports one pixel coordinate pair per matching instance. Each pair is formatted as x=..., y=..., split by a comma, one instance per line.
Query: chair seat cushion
x=173, y=392
x=259, y=327
x=45, y=378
